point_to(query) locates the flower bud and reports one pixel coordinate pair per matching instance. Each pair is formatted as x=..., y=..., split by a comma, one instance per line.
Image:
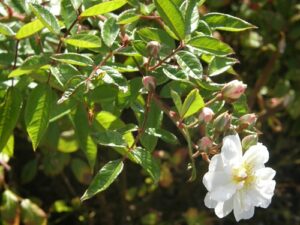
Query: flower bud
x=233, y=90
x=206, y=115
x=149, y=83
x=248, y=119
x=249, y=140
x=205, y=143
x=153, y=48
x=222, y=122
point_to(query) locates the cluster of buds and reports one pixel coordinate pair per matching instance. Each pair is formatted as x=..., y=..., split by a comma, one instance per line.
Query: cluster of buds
x=149, y=83
x=222, y=122
x=153, y=48
x=233, y=90
x=206, y=115
x=249, y=140
x=247, y=120
x=205, y=143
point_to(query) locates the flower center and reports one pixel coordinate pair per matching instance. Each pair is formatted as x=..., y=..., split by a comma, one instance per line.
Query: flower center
x=242, y=176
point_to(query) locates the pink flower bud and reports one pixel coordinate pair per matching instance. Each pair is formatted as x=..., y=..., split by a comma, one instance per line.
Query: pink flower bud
x=233, y=90
x=205, y=143
x=248, y=119
x=153, y=48
x=222, y=122
x=149, y=83
x=206, y=115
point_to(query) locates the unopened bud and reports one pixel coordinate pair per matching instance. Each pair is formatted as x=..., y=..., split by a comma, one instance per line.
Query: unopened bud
x=149, y=83
x=205, y=143
x=222, y=122
x=248, y=120
x=153, y=48
x=249, y=140
x=206, y=115
x=233, y=90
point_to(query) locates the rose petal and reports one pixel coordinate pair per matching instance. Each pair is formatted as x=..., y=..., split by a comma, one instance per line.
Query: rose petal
x=231, y=150
x=242, y=209
x=209, y=202
x=224, y=192
x=215, y=179
x=224, y=208
x=216, y=163
x=256, y=156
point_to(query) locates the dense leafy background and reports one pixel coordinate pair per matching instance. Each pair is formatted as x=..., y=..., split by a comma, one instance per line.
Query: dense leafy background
x=54, y=180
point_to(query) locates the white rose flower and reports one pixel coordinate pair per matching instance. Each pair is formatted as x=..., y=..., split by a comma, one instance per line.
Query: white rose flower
x=239, y=182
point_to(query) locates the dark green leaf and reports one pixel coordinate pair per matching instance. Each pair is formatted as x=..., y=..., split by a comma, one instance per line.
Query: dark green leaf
x=103, y=7
x=177, y=100
x=10, y=210
x=146, y=160
x=110, y=138
x=191, y=16
x=37, y=113
x=74, y=59
x=104, y=178
x=219, y=21
x=29, y=29
x=9, y=114
x=165, y=135
x=81, y=171
x=110, y=31
x=192, y=104
x=112, y=76
x=172, y=16
x=68, y=13
x=211, y=45
x=29, y=171
x=190, y=64
x=84, y=41
x=46, y=17
x=84, y=138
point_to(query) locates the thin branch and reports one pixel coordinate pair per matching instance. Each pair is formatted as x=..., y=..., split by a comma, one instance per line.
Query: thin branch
x=66, y=34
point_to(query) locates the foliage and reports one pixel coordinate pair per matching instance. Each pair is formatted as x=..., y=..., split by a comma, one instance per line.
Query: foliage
x=98, y=88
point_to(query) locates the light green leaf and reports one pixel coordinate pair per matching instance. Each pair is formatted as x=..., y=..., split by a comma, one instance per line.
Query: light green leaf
x=29, y=29
x=6, y=30
x=9, y=114
x=128, y=16
x=190, y=64
x=104, y=178
x=46, y=17
x=110, y=138
x=31, y=64
x=74, y=59
x=9, y=147
x=211, y=45
x=32, y=214
x=82, y=130
x=112, y=76
x=192, y=104
x=84, y=41
x=103, y=7
x=219, y=21
x=191, y=16
x=110, y=31
x=177, y=100
x=220, y=64
x=37, y=113
x=172, y=16
x=146, y=160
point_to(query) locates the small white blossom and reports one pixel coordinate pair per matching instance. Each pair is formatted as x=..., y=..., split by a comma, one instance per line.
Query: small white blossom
x=239, y=182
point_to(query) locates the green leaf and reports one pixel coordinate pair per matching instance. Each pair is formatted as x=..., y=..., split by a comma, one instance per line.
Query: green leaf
x=192, y=104
x=32, y=214
x=82, y=130
x=10, y=210
x=37, y=113
x=46, y=17
x=110, y=138
x=172, y=16
x=164, y=135
x=81, y=171
x=190, y=64
x=191, y=16
x=104, y=178
x=74, y=59
x=31, y=64
x=177, y=100
x=9, y=114
x=173, y=74
x=29, y=171
x=112, y=76
x=68, y=12
x=146, y=160
x=103, y=7
x=210, y=45
x=9, y=147
x=29, y=29
x=6, y=30
x=128, y=16
x=219, y=21
x=84, y=41
x=220, y=64
x=110, y=31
